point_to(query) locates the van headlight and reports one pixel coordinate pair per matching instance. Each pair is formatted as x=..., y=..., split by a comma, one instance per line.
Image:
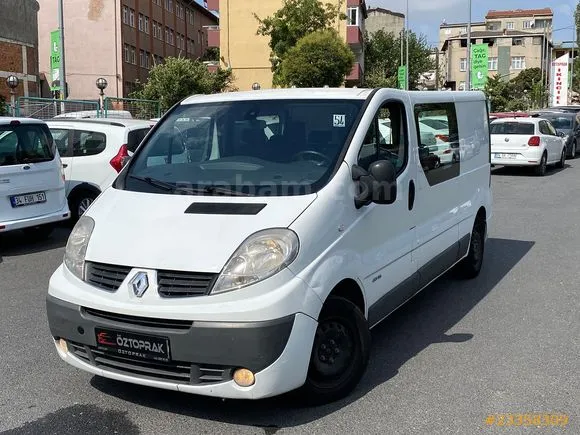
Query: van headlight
x=76, y=247
x=260, y=256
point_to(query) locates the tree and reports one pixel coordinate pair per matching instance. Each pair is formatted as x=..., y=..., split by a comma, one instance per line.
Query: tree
x=319, y=59
x=212, y=54
x=178, y=78
x=527, y=88
x=497, y=91
x=383, y=54
x=296, y=19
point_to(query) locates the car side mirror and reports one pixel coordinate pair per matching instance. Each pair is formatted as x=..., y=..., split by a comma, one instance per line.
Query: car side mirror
x=377, y=185
x=561, y=134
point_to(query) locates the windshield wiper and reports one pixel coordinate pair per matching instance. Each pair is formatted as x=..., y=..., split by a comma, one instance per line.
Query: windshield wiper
x=154, y=182
x=212, y=190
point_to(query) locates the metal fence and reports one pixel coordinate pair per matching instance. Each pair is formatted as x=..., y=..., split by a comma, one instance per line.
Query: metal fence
x=46, y=108
x=139, y=109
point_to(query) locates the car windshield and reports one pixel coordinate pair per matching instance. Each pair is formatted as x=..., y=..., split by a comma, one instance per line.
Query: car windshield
x=523, y=128
x=261, y=148
x=25, y=143
x=561, y=122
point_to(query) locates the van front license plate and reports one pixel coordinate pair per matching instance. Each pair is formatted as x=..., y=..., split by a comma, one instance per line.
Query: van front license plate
x=129, y=345
x=27, y=199
x=505, y=156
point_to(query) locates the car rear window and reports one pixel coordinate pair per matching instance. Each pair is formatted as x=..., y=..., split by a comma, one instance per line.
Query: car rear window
x=135, y=138
x=523, y=128
x=25, y=143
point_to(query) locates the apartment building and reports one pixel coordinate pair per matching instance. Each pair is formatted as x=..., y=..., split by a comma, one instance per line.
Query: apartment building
x=517, y=40
x=121, y=40
x=19, y=47
x=384, y=19
x=248, y=54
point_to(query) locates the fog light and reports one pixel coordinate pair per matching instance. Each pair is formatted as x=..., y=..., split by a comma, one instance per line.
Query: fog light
x=61, y=344
x=244, y=377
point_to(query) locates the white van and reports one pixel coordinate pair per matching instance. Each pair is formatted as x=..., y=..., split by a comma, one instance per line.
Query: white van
x=227, y=263
x=32, y=192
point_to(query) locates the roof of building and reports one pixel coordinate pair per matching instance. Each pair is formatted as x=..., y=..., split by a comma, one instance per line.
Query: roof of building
x=519, y=13
x=203, y=10
x=445, y=25
x=495, y=34
x=386, y=11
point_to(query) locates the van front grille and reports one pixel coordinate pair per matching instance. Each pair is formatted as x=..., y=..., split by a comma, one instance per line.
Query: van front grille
x=106, y=276
x=172, y=284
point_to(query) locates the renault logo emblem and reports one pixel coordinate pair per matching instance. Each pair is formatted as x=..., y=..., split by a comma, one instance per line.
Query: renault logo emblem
x=140, y=284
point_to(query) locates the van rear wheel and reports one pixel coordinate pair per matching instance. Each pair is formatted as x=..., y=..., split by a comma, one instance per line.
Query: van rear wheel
x=340, y=352
x=470, y=266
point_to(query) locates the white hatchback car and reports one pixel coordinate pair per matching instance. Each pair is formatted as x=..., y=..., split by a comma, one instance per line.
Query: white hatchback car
x=526, y=142
x=32, y=193
x=93, y=152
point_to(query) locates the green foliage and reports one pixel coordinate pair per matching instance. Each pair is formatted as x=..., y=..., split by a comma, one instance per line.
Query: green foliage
x=383, y=58
x=292, y=22
x=212, y=54
x=523, y=92
x=178, y=78
x=319, y=59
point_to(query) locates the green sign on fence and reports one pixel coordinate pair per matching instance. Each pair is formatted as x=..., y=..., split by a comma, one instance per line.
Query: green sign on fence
x=479, y=66
x=54, y=58
x=402, y=77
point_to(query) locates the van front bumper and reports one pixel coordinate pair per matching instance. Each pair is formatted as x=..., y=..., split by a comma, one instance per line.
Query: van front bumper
x=204, y=355
x=20, y=224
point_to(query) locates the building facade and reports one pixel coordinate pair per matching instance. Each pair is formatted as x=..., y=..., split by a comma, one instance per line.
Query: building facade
x=517, y=40
x=19, y=47
x=386, y=20
x=248, y=54
x=121, y=40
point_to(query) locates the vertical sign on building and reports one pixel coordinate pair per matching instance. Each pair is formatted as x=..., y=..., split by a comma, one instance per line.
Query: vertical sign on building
x=54, y=58
x=559, y=87
x=479, y=66
x=402, y=77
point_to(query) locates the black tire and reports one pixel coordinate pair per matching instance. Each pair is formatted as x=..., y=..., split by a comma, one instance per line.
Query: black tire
x=541, y=168
x=574, y=150
x=79, y=202
x=562, y=162
x=340, y=353
x=471, y=265
x=41, y=232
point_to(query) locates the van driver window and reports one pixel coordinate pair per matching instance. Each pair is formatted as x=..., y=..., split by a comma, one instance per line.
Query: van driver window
x=386, y=138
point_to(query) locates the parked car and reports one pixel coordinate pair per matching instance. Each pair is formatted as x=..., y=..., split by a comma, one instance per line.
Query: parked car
x=92, y=153
x=95, y=114
x=259, y=267
x=526, y=142
x=566, y=124
x=32, y=192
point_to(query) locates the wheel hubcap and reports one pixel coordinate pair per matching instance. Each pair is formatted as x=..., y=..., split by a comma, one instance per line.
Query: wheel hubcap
x=84, y=205
x=333, y=349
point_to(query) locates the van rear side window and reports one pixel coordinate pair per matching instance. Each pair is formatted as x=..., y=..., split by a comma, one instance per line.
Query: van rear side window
x=25, y=143
x=523, y=128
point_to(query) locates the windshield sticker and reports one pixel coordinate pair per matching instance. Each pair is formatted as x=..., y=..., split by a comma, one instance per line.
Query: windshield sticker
x=339, y=120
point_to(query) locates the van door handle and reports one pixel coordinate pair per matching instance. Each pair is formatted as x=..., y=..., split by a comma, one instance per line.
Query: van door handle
x=64, y=165
x=411, y=194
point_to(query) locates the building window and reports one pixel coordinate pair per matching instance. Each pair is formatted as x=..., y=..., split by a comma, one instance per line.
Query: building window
x=125, y=15
x=461, y=86
x=178, y=41
x=463, y=64
x=537, y=40
x=510, y=25
x=494, y=26
x=141, y=23
x=518, y=62
x=529, y=24
x=126, y=53
x=131, y=17
x=518, y=42
x=167, y=4
x=191, y=14
x=147, y=25
x=492, y=63
x=142, y=58
x=167, y=35
x=170, y=9
x=171, y=37
x=352, y=16
x=133, y=52
x=147, y=57
x=179, y=11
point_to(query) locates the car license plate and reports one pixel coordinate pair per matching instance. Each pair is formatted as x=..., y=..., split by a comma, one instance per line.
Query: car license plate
x=505, y=156
x=27, y=199
x=128, y=344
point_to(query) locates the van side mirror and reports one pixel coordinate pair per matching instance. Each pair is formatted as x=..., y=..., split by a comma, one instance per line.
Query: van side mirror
x=377, y=185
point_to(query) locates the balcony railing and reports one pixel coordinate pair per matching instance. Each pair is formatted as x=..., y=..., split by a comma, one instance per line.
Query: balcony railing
x=213, y=36
x=354, y=35
x=352, y=3
x=213, y=5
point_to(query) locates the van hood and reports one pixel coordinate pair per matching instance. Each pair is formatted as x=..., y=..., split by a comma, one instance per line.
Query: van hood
x=182, y=232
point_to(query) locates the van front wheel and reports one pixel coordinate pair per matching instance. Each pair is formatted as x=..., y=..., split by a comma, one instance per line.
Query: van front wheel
x=340, y=352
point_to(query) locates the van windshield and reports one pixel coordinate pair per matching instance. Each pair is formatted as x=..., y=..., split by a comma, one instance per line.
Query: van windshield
x=25, y=143
x=523, y=128
x=255, y=148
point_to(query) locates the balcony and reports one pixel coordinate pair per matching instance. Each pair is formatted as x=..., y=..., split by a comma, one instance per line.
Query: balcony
x=354, y=35
x=350, y=3
x=213, y=5
x=356, y=73
x=213, y=36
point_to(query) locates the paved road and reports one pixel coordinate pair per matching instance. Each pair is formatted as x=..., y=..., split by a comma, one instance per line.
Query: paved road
x=508, y=342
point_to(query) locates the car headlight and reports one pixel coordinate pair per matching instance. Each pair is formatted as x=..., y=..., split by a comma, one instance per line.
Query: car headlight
x=76, y=247
x=260, y=256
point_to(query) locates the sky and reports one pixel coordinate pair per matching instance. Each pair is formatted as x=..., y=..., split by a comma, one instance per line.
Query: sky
x=425, y=16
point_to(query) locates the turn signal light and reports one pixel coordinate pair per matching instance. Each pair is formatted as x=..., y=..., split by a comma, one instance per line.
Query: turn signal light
x=244, y=377
x=534, y=141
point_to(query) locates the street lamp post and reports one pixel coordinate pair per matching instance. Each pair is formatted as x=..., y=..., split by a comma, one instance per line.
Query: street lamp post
x=12, y=82
x=102, y=85
x=468, y=81
x=407, y=51
x=256, y=87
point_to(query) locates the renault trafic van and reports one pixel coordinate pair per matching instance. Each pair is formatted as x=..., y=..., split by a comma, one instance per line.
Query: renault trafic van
x=255, y=238
x=32, y=193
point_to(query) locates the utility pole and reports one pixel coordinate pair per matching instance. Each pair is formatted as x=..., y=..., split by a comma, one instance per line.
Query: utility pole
x=407, y=38
x=543, y=56
x=62, y=70
x=402, y=47
x=572, y=72
x=468, y=81
x=437, y=69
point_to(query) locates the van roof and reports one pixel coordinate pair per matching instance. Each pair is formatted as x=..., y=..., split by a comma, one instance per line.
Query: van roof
x=5, y=120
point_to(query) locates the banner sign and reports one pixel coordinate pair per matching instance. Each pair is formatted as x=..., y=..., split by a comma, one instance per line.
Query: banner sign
x=402, y=77
x=54, y=58
x=479, y=66
x=559, y=86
